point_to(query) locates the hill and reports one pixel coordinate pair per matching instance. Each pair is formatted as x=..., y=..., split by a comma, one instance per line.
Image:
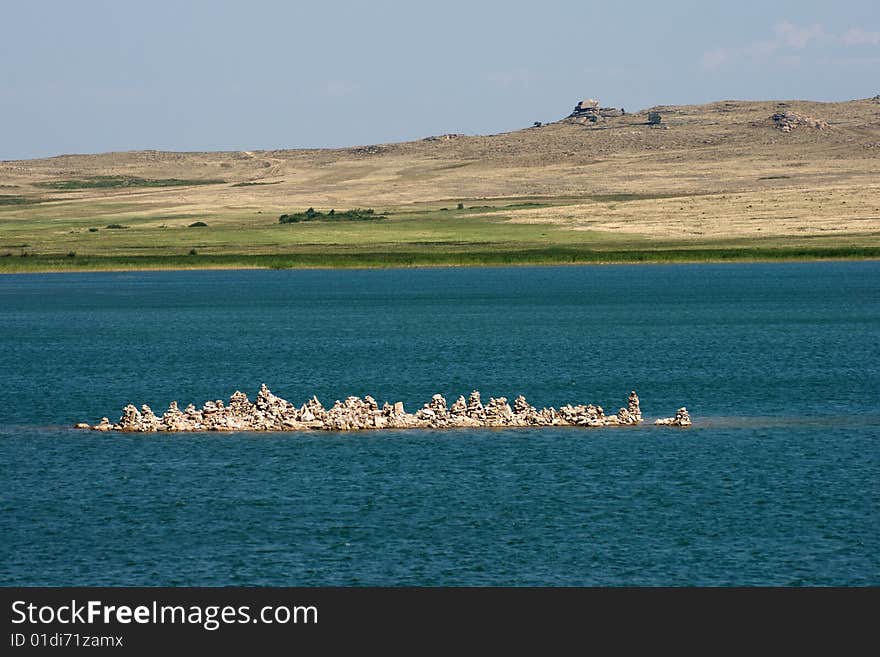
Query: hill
x=716, y=181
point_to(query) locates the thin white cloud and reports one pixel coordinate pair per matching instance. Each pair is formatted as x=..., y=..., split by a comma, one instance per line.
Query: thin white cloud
x=519, y=76
x=788, y=37
x=793, y=36
x=716, y=58
x=339, y=88
x=859, y=37
x=789, y=61
x=720, y=57
x=760, y=49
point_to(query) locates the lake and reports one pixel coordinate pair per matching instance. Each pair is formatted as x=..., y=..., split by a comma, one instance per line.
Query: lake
x=775, y=484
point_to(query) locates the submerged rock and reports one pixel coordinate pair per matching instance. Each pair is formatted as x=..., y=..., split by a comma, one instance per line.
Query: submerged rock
x=103, y=425
x=272, y=413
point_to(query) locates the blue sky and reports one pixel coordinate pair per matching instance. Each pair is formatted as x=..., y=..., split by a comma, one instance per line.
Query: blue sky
x=96, y=75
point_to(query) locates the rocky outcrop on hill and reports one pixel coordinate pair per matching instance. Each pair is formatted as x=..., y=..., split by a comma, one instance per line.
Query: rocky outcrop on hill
x=272, y=413
x=588, y=106
x=588, y=111
x=447, y=137
x=788, y=121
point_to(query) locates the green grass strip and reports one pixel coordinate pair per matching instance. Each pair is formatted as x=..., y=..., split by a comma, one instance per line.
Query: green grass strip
x=400, y=258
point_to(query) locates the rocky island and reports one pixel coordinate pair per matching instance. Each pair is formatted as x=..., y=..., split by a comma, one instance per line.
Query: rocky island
x=272, y=413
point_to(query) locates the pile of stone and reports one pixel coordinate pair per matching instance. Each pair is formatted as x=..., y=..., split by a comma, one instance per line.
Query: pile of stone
x=632, y=414
x=585, y=416
x=588, y=111
x=272, y=413
x=367, y=150
x=788, y=121
x=681, y=419
x=447, y=137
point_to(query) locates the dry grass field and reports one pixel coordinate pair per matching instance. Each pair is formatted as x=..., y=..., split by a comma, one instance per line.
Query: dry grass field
x=715, y=181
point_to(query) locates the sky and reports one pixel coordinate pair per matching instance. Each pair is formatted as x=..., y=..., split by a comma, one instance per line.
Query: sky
x=94, y=76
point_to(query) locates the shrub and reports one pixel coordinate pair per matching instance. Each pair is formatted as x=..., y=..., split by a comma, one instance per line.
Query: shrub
x=355, y=214
x=460, y=206
x=71, y=254
x=101, y=182
x=93, y=230
x=198, y=224
x=193, y=252
x=116, y=226
x=654, y=118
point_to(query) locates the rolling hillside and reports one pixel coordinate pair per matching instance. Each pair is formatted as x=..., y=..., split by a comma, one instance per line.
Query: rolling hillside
x=722, y=178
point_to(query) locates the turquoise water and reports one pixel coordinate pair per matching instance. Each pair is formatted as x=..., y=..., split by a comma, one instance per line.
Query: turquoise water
x=776, y=484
